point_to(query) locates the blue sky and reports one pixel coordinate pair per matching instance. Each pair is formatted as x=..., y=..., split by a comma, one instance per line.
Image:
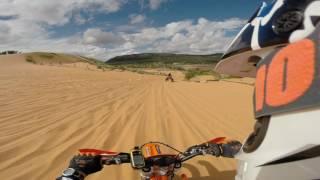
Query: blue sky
x=173, y=10
x=107, y=28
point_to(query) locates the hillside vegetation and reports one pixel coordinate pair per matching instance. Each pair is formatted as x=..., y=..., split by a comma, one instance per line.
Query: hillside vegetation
x=57, y=58
x=163, y=58
x=46, y=58
x=191, y=65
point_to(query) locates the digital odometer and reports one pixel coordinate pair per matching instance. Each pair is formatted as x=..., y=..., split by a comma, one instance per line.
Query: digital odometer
x=137, y=159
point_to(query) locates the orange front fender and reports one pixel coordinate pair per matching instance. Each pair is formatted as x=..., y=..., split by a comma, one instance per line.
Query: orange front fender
x=183, y=177
x=159, y=178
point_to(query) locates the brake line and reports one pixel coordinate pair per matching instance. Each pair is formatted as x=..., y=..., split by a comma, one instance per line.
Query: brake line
x=156, y=142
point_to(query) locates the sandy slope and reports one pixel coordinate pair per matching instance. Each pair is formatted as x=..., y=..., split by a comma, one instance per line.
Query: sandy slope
x=47, y=113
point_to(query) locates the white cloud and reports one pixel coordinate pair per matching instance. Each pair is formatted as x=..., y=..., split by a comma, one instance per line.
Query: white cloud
x=55, y=12
x=155, y=4
x=27, y=22
x=152, y=4
x=202, y=37
x=194, y=37
x=26, y=29
x=137, y=18
x=98, y=37
x=80, y=20
x=4, y=33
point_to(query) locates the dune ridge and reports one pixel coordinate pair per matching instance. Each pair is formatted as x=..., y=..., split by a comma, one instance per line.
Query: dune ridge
x=48, y=112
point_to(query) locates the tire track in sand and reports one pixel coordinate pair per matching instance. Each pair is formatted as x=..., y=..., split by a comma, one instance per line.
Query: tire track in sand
x=47, y=113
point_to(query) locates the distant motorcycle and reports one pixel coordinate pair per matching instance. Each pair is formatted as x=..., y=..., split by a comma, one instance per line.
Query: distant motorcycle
x=169, y=78
x=151, y=159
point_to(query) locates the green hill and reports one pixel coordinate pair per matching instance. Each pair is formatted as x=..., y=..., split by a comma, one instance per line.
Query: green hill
x=163, y=58
x=190, y=65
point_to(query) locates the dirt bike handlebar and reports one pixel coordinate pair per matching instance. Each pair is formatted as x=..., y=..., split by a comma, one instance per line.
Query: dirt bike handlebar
x=117, y=159
x=196, y=150
x=211, y=147
x=152, y=162
x=123, y=158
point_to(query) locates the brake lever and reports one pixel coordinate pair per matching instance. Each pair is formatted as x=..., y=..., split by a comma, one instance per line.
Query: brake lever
x=193, y=151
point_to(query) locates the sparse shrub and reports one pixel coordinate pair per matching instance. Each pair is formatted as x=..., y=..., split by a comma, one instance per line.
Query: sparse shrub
x=122, y=68
x=195, y=72
x=179, y=68
x=225, y=76
x=46, y=55
x=189, y=74
x=30, y=60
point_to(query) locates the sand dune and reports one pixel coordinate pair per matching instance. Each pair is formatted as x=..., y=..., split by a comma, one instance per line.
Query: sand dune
x=48, y=112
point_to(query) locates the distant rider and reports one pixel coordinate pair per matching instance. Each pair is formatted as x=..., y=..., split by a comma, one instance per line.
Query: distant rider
x=169, y=77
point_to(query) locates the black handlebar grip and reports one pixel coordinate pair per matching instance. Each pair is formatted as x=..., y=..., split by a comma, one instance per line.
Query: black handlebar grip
x=125, y=157
x=110, y=161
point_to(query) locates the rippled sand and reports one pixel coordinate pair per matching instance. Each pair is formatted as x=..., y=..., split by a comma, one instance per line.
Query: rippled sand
x=48, y=112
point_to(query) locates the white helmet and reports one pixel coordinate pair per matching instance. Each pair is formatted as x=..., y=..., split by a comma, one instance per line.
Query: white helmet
x=280, y=46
